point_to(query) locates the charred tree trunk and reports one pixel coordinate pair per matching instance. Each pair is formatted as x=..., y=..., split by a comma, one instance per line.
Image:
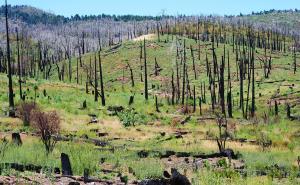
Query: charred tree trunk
x=194, y=99
x=131, y=75
x=95, y=78
x=253, y=83
x=184, y=75
x=101, y=80
x=194, y=66
x=141, y=66
x=221, y=86
x=19, y=65
x=200, y=105
x=77, y=70
x=173, y=89
x=295, y=60
x=10, y=85
x=241, y=86
x=145, y=72
x=229, y=92
x=156, y=105
x=177, y=81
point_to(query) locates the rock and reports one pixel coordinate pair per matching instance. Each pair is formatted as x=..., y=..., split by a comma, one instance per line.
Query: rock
x=66, y=165
x=16, y=139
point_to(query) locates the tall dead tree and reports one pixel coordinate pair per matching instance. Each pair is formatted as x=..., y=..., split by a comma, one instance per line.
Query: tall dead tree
x=145, y=71
x=183, y=74
x=241, y=67
x=11, y=112
x=101, y=80
x=177, y=82
x=229, y=89
x=295, y=59
x=173, y=89
x=77, y=70
x=222, y=87
x=194, y=66
x=194, y=99
x=253, y=81
x=141, y=57
x=19, y=65
x=95, y=79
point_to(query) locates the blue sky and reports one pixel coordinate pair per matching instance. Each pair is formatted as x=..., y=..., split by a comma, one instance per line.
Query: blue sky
x=156, y=7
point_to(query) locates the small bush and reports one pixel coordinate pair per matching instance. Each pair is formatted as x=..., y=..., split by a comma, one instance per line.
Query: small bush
x=47, y=125
x=128, y=117
x=24, y=110
x=264, y=141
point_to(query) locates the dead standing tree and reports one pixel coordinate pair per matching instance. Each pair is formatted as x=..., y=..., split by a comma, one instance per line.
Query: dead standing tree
x=131, y=74
x=229, y=89
x=19, y=66
x=145, y=71
x=11, y=112
x=101, y=80
x=96, y=79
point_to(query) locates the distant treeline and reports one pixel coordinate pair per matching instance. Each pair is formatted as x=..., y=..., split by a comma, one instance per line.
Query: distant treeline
x=31, y=15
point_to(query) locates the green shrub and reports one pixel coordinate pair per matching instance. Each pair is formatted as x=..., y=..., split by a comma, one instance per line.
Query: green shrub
x=129, y=117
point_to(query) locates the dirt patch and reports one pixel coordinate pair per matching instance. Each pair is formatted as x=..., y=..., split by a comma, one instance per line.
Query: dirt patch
x=146, y=37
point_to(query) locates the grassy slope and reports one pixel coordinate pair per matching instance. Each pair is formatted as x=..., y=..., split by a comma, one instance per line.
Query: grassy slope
x=67, y=98
x=291, y=19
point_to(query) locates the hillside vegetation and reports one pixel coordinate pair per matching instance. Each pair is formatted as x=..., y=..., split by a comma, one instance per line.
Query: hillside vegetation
x=218, y=102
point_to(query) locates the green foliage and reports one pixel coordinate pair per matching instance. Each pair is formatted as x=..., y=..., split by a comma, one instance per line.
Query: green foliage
x=127, y=117
x=222, y=163
x=130, y=117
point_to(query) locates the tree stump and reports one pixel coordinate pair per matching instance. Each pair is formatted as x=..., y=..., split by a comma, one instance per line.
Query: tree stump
x=178, y=179
x=86, y=175
x=131, y=100
x=66, y=165
x=16, y=139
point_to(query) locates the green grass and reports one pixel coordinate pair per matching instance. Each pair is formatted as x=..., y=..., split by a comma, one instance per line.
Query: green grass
x=67, y=99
